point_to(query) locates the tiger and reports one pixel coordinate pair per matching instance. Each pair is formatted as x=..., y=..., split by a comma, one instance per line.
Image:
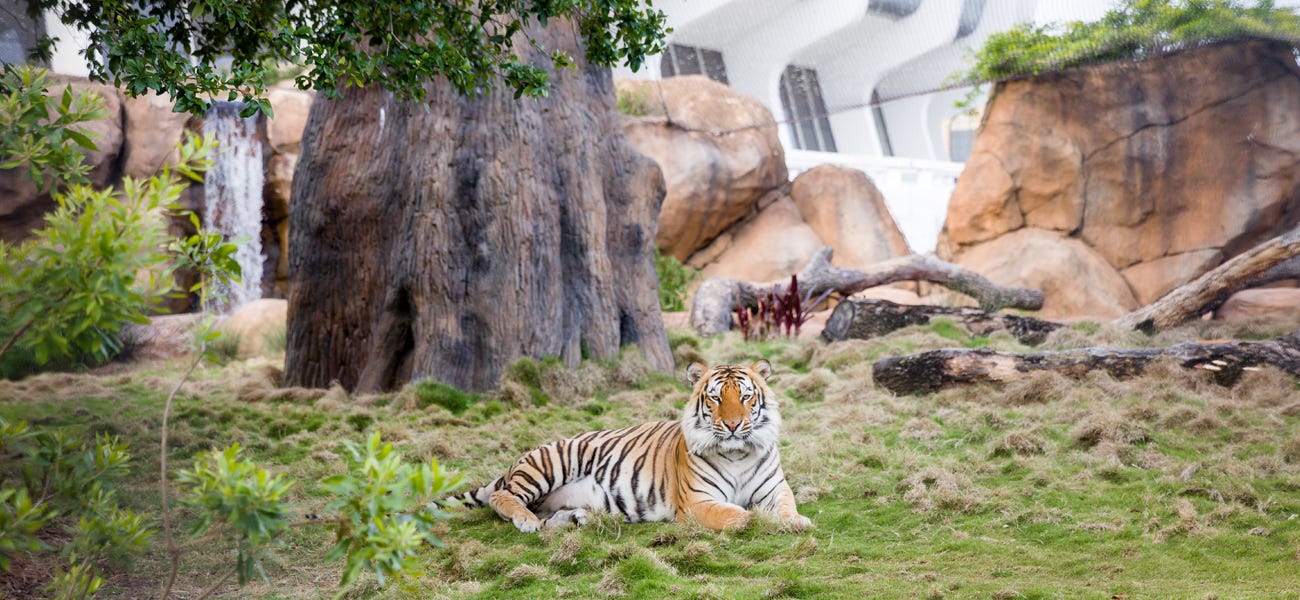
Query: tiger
x=717, y=465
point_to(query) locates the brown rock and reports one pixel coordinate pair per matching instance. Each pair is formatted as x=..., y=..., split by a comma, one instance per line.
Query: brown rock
x=1151, y=280
x=260, y=327
x=1261, y=303
x=849, y=214
x=983, y=205
x=107, y=133
x=1164, y=167
x=152, y=132
x=278, y=185
x=164, y=337
x=290, y=107
x=772, y=246
x=714, y=179
x=1075, y=279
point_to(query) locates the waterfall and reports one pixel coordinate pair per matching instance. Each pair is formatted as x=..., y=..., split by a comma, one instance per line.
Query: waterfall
x=232, y=193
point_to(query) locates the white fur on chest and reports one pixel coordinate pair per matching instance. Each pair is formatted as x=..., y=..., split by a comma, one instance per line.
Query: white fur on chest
x=738, y=476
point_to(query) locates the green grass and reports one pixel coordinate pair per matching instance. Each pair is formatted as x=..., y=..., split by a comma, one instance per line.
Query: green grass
x=1164, y=486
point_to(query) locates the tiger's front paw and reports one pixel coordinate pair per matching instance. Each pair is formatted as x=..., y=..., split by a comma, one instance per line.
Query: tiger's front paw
x=797, y=523
x=738, y=521
x=527, y=524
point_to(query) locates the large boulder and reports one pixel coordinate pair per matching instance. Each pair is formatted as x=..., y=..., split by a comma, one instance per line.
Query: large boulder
x=1261, y=303
x=151, y=132
x=773, y=245
x=1076, y=280
x=1164, y=167
x=849, y=214
x=259, y=326
x=718, y=150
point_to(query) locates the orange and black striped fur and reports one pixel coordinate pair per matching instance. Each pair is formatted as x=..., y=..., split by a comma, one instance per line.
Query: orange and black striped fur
x=717, y=464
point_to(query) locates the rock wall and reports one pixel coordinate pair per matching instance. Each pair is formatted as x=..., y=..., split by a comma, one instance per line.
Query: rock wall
x=731, y=210
x=1153, y=171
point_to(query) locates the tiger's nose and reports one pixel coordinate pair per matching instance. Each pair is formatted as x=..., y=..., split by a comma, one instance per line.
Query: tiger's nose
x=732, y=424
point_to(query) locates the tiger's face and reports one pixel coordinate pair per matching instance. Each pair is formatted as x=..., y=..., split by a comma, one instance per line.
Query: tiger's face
x=731, y=408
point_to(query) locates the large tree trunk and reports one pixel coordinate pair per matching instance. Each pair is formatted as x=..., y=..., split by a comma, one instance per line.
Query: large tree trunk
x=448, y=242
x=938, y=369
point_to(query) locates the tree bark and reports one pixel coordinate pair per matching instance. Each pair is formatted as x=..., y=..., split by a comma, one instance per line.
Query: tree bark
x=1191, y=299
x=449, y=241
x=937, y=369
x=716, y=298
x=865, y=319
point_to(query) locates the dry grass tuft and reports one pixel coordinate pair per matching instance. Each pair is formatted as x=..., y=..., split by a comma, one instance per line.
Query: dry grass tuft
x=611, y=585
x=1020, y=442
x=805, y=494
x=1267, y=387
x=1108, y=425
x=1035, y=387
x=1187, y=522
x=1180, y=415
x=64, y=385
x=523, y=574
x=934, y=488
x=920, y=429
x=567, y=551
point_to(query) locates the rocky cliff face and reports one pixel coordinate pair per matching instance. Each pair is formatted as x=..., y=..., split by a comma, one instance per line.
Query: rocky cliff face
x=1156, y=171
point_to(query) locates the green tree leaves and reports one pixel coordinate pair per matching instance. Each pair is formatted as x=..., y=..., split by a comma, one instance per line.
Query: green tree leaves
x=223, y=48
x=1135, y=29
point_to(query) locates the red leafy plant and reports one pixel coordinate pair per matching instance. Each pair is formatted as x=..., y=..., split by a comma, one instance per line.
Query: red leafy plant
x=780, y=312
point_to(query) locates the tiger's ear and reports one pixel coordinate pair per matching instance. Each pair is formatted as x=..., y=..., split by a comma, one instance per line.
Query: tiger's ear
x=762, y=367
x=694, y=372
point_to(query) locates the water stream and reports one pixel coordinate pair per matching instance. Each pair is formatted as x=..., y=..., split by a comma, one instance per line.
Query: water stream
x=233, y=199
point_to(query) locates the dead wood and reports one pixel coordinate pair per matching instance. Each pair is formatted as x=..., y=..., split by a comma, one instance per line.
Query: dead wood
x=868, y=318
x=1269, y=261
x=937, y=369
x=717, y=298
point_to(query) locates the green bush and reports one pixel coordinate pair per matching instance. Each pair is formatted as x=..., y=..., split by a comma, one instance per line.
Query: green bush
x=1135, y=29
x=635, y=102
x=430, y=392
x=93, y=266
x=674, y=277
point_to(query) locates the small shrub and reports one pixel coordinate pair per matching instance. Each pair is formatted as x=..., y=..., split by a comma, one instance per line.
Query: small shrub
x=430, y=392
x=634, y=101
x=674, y=277
x=783, y=311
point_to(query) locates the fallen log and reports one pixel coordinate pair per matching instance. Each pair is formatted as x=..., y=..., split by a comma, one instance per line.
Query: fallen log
x=716, y=298
x=867, y=318
x=1198, y=296
x=937, y=369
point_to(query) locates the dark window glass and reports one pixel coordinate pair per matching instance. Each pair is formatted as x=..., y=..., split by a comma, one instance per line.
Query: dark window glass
x=689, y=60
x=805, y=109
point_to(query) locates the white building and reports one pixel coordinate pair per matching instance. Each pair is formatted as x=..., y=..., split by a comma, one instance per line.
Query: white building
x=852, y=81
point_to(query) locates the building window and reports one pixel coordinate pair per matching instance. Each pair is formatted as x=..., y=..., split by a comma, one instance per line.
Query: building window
x=878, y=113
x=805, y=110
x=689, y=60
x=961, y=135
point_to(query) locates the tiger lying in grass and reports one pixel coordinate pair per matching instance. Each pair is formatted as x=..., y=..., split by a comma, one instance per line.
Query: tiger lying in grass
x=715, y=465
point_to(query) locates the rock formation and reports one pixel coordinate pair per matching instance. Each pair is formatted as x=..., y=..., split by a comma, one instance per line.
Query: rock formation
x=718, y=150
x=1161, y=169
